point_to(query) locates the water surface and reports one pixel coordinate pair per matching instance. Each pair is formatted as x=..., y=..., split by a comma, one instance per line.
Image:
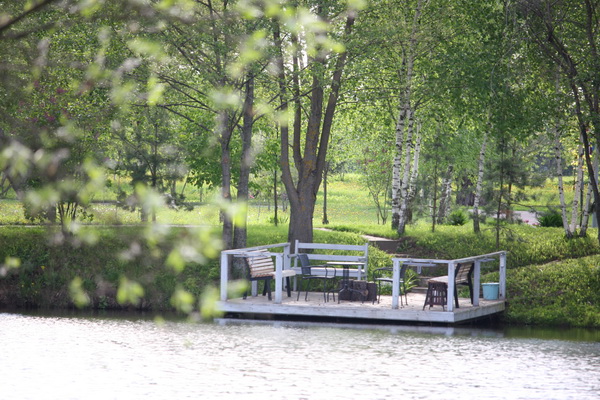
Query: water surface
x=74, y=357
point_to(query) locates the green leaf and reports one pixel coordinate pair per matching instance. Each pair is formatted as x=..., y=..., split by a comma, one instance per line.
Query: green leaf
x=129, y=292
x=147, y=48
x=78, y=294
x=183, y=301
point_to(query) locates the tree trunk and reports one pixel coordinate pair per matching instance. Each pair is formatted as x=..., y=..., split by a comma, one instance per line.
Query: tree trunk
x=444, y=207
x=405, y=120
x=435, y=190
x=415, y=168
x=501, y=205
x=224, y=135
x=585, y=216
x=240, y=232
x=310, y=164
x=479, y=185
x=559, y=174
x=325, y=219
x=396, y=182
x=577, y=191
x=405, y=183
x=276, y=206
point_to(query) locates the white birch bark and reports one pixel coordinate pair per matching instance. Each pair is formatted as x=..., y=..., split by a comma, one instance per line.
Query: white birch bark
x=578, y=190
x=444, y=208
x=407, y=120
x=479, y=184
x=415, y=168
x=588, y=202
x=396, y=168
x=561, y=190
x=586, y=212
x=404, y=187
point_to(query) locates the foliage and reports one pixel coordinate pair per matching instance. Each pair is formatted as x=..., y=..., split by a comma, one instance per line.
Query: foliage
x=76, y=74
x=108, y=270
x=561, y=293
x=457, y=217
x=525, y=244
x=376, y=165
x=551, y=219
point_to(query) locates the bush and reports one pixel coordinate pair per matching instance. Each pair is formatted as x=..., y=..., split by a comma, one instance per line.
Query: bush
x=47, y=269
x=457, y=218
x=551, y=219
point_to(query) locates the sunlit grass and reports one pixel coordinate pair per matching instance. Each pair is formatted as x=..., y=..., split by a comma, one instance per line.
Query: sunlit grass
x=539, y=198
x=349, y=207
x=11, y=212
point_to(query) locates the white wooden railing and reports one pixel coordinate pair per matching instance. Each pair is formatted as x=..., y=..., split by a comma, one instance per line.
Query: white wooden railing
x=282, y=261
x=476, y=260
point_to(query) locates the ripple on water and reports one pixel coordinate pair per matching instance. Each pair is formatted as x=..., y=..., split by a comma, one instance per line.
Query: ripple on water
x=62, y=358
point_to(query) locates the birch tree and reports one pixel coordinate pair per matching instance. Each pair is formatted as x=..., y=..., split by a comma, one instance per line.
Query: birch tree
x=567, y=35
x=404, y=140
x=479, y=184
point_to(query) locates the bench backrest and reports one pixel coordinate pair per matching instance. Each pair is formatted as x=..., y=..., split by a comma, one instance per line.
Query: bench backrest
x=315, y=253
x=260, y=265
x=463, y=273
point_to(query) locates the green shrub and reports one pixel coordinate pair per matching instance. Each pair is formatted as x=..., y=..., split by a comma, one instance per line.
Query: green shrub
x=551, y=219
x=47, y=269
x=457, y=218
x=561, y=293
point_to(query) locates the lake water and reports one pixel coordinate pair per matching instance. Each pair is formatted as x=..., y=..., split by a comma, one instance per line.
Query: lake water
x=104, y=357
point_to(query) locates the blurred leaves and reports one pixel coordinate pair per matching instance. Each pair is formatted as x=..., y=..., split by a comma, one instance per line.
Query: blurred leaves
x=78, y=294
x=183, y=301
x=10, y=263
x=129, y=292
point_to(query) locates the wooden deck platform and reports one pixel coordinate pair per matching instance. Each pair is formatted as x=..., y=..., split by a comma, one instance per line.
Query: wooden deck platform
x=315, y=307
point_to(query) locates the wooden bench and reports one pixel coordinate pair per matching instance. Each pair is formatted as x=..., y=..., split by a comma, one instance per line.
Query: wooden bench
x=260, y=267
x=326, y=253
x=463, y=275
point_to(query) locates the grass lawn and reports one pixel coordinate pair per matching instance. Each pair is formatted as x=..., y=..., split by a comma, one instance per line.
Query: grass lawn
x=348, y=204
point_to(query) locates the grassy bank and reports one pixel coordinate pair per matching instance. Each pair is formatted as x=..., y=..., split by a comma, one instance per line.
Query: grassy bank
x=113, y=257
x=550, y=281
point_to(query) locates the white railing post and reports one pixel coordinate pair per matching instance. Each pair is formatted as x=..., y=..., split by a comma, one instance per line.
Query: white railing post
x=450, y=303
x=224, y=275
x=395, y=283
x=278, y=278
x=476, y=282
x=502, y=288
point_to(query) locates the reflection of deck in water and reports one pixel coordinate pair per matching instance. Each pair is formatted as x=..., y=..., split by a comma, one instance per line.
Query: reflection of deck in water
x=315, y=307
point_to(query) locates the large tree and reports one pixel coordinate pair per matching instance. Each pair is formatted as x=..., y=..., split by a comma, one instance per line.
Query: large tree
x=316, y=78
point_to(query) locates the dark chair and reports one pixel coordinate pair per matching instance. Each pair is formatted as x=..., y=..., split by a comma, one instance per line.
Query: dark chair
x=384, y=275
x=308, y=276
x=463, y=275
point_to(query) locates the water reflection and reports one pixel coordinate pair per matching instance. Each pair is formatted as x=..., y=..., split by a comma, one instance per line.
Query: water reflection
x=61, y=357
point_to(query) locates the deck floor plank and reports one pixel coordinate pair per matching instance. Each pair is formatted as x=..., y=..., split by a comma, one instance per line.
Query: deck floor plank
x=316, y=307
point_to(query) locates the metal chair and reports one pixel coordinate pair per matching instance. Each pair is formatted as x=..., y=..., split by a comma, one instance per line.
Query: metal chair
x=308, y=276
x=383, y=275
